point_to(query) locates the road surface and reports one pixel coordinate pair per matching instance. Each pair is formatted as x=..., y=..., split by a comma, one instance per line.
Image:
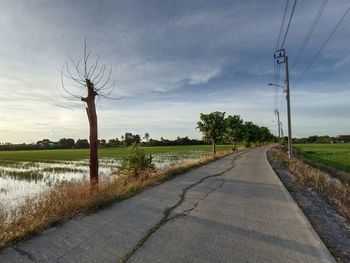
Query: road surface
x=232, y=210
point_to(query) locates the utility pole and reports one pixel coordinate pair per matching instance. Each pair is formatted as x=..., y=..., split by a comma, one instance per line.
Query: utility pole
x=282, y=131
x=278, y=124
x=281, y=58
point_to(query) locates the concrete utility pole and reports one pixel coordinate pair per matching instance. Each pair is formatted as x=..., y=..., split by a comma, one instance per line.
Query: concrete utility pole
x=278, y=124
x=281, y=58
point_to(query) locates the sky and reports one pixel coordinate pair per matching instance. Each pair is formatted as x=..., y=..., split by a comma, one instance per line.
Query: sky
x=171, y=61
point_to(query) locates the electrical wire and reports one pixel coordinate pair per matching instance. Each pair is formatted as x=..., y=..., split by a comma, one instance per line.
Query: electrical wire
x=311, y=30
x=283, y=19
x=323, y=45
x=289, y=22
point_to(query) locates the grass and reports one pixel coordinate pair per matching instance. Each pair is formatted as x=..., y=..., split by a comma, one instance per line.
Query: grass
x=68, y=199
x=334, y=155
x=337, y=191
x=7, y=157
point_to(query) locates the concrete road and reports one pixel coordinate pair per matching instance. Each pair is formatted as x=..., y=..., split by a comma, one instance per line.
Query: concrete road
x=232, y=210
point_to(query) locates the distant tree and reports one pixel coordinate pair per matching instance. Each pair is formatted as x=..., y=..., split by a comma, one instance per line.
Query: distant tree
x=251, y=132
x=102, y=143
x=130, y=139
x=234, y=129
x=136, y=139
x=212, y=126
x=265, y=134
x=68, y=143
x=92, y=78
x=113, y=142
x=82, y=143
x=146, y=136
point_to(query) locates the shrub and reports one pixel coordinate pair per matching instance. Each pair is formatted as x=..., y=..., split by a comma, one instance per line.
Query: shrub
x=135, y=162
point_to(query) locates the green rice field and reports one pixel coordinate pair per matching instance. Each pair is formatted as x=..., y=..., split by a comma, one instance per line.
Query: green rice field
x=27, y=173
x=334, y=155
x=81, y=154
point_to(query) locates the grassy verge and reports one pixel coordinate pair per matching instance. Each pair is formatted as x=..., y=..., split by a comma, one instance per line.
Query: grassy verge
x=66, y=200
x=335, y=189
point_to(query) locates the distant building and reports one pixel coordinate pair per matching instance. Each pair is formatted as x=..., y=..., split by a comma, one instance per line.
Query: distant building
x=343, y=138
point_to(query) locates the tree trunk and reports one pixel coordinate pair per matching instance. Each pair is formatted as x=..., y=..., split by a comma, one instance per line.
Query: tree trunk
x=214, y=148
x=93, y=137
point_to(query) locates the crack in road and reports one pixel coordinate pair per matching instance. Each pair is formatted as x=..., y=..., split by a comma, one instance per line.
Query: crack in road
x=25, y=253
x=169, y=210
x=188, y=211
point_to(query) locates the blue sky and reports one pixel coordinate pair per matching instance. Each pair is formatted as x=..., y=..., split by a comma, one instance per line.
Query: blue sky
x=171, y=61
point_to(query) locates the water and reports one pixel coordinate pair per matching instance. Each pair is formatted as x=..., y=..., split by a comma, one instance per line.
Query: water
x=20, y=180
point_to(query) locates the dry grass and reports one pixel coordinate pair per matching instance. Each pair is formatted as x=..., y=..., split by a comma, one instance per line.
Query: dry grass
x=334, y=188
x=66, y=200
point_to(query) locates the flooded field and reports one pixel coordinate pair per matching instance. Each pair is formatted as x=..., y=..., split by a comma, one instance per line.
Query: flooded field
x=21, y=179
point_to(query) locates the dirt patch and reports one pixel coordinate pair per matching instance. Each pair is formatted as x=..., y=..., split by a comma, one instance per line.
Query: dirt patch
x=330, y=224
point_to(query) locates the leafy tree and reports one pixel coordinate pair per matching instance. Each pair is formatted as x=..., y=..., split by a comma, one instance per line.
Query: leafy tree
x=82, y=143
x=102, y=143
x=130, y=139
x=212, y=126
x=113, y=142
x=234, y=129
x=146, y=136
x=66, y=143
x=251, y=133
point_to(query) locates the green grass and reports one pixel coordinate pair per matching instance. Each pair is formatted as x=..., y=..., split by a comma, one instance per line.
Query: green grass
x=80, y=154
x=334, y=155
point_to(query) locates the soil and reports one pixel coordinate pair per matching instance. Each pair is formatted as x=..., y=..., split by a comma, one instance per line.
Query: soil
x=328, y=222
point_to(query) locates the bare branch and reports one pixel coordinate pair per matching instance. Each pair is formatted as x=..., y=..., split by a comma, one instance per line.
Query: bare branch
x=100, y=73
x=106, y=81
x=76, y=66
x=64, y=88
x=94, y=68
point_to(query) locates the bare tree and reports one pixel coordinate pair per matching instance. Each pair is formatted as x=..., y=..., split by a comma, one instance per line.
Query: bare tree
x=93, y=78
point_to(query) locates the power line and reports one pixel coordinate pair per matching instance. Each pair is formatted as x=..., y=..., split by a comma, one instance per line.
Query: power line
x=290, y=20
x=311, y=30
x=284, y=17
x=324, y=44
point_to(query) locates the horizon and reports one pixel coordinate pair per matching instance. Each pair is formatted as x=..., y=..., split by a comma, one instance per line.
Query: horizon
x=171, y=61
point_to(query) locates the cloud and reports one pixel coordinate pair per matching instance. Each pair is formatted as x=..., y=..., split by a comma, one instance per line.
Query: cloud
x=171, y=60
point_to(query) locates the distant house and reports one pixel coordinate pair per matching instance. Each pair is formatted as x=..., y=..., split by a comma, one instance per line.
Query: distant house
x=343, y=138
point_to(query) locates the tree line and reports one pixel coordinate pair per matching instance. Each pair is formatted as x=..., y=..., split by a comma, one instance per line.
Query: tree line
x=125, y=140
x=216, y=128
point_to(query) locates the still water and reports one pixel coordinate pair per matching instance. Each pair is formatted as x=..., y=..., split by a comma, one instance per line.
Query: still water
x=19, y=180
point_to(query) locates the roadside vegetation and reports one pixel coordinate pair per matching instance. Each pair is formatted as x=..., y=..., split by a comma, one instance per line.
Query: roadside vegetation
x=334, y=155
x=336, y=189
x=68, y=199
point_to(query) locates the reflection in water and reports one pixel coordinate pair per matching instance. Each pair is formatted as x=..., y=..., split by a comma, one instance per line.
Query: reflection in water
x=19, y=180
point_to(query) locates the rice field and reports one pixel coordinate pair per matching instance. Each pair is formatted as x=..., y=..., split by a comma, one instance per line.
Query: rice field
x=26, y=173
x=334, y=155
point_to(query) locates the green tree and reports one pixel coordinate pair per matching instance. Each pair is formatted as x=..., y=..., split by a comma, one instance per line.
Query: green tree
x=234, y=129
x=146, y=136
x=212, y=126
